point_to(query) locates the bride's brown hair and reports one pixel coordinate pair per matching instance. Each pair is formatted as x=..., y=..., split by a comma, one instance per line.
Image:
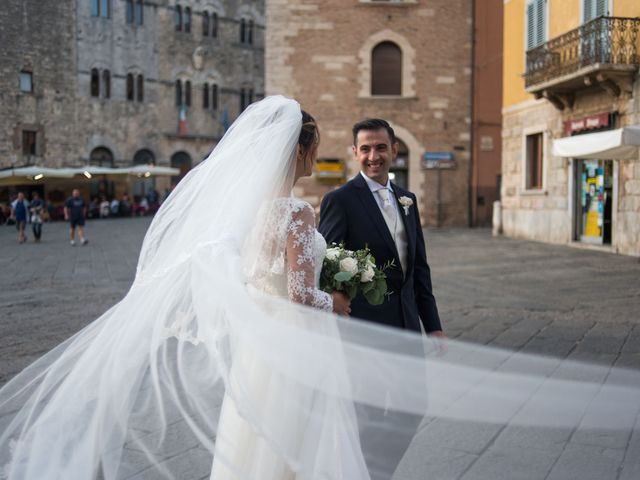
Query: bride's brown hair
x=309, y=135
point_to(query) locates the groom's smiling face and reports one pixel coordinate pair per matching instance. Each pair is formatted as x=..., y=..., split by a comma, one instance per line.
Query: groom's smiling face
x=375, y=152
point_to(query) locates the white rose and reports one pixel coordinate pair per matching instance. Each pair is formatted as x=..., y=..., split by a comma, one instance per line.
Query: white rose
x=349, y=265
x=333, y=253
x=367, y=275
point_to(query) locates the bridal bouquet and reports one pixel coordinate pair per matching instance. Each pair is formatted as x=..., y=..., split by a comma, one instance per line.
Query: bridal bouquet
x=352, y=272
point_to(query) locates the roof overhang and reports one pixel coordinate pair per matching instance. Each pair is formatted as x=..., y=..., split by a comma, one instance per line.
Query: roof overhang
x=621, y=144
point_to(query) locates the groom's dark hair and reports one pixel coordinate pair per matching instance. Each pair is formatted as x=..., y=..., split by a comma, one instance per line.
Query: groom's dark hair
x=373, y=124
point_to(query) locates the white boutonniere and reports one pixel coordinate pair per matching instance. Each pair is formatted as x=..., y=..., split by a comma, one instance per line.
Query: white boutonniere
x=406, y=202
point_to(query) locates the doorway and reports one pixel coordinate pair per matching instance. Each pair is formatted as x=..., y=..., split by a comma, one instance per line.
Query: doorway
x=594, y=179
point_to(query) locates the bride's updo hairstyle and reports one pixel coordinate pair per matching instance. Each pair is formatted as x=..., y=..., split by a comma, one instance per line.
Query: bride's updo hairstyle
x=309, y=135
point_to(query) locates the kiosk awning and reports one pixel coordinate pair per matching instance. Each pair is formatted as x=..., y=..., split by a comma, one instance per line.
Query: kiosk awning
x=34, y=175
x=622, y=143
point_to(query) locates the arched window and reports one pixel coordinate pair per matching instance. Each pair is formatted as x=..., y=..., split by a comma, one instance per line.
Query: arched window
x=130, y=87
x=144, y=157
x=250, y=33
x=246, y=98
x=399, y=170
x=178, y=93
x=187, y=19
x=243, y=27
x=139, y=11
x=214, y=96
x=205, y=24
x=386, y=69
x=177, y=18
x=101, y=157
x=182, y=161
x=100, y=8
x=214, y=24
x=187, y=93
x=140, y=92
x=106, y=83
x=95, y=82
x=129, y=11
x=205, y=96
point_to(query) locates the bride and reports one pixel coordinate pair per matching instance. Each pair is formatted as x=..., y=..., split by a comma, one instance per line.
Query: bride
x=224, y=348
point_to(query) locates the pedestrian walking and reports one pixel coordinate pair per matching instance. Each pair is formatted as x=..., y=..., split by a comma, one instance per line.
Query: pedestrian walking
x=36, y=207
x=75, y=211
x=19, y=210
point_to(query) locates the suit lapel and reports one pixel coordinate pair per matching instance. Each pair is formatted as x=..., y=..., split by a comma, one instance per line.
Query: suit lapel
x=374, y=213
x=409, y=227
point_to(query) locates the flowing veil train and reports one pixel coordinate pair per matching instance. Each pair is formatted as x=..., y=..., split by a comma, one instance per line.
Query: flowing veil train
x=139, y=390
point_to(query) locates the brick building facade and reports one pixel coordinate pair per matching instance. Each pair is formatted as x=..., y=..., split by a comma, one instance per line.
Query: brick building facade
x=323, y=53
x=117, y=83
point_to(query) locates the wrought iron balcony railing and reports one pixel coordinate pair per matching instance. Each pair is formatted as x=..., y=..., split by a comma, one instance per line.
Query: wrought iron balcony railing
x=607, y=41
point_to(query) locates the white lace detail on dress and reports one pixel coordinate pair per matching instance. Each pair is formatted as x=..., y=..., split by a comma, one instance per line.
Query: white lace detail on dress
x=292, y=255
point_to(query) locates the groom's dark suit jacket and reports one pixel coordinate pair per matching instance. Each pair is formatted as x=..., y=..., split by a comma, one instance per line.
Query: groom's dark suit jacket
x=351, y=215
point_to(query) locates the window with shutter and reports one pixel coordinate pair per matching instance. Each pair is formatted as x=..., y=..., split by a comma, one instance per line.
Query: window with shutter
x=386, y=69
x=593, y=9
x=536, y=23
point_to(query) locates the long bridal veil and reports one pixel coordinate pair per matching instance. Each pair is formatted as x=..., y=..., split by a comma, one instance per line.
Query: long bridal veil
x=137, y=393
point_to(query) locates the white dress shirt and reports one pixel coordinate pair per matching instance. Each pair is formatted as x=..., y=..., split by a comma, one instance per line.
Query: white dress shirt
x=395, y=225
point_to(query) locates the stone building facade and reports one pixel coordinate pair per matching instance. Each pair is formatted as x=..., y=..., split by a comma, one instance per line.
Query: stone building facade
x=117, y=83
x=589, y=198
x=323, y=53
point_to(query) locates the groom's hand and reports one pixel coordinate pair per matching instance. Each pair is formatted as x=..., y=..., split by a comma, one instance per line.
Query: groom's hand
x=341, y=304
x=439, y=340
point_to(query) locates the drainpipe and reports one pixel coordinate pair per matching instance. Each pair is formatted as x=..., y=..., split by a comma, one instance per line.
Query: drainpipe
x=472, y=158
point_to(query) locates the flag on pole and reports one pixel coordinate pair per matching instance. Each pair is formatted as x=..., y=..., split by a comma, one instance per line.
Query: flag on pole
x=182, y=121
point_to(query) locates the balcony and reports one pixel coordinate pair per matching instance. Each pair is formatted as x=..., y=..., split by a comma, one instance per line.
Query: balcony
x=603, y=53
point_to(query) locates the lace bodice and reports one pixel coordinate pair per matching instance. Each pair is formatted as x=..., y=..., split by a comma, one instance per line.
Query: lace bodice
x=292, y=252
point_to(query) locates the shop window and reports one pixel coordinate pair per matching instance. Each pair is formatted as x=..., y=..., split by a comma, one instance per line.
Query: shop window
x=26, y=82
x=386, y=69
x=534, y=161
x=399, y=171
x=29, y=142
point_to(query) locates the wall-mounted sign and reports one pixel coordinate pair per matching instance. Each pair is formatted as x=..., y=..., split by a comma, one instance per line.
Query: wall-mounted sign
x=331, y=168
x=438, y=160
x=591, y=122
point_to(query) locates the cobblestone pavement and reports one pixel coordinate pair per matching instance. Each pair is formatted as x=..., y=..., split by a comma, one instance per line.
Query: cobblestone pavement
x=532, y=297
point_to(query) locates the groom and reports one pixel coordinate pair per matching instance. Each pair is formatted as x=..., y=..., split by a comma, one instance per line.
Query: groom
x=371, y=211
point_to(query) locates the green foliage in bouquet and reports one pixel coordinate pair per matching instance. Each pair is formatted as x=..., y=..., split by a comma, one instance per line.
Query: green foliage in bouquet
x=352, y=272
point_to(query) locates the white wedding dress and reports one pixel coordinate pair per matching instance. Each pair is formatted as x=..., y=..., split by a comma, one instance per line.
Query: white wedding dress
x=225, y=310
x=241, y=450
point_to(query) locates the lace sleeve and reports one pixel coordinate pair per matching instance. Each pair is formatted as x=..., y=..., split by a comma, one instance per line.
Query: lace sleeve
x=300, y=261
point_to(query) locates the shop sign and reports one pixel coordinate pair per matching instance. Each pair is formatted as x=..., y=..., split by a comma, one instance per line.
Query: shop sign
x=330, y=168
x=438, y=160
x=592, y=122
